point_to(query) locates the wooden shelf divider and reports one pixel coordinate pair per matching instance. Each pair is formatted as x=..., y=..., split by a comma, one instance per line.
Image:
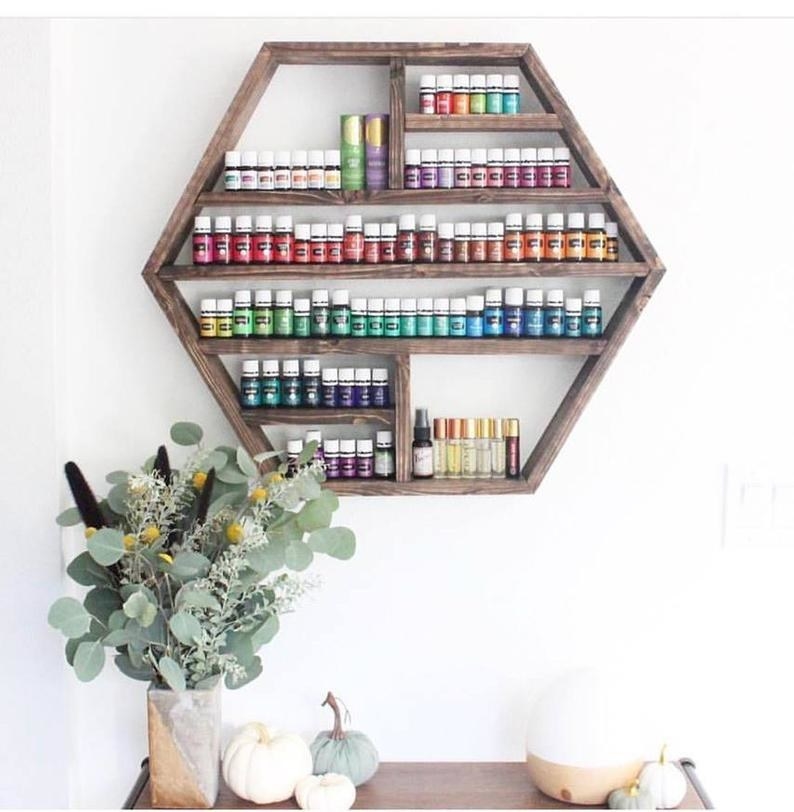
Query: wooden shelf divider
x=520, y=122
x=301, y=416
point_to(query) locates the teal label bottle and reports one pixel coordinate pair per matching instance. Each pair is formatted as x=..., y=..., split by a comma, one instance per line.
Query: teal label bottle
x=375, y=326
x=408, y=318
x=283, y=313
x=391, y=319
x=291, y=384
x=554, y=314
x=250, y=386
x=457, y=318
x=301, y=319
x=441, y=317
x=358, y=318
x=592, y=316
x=271, y=385
x=340, y=313
x=320, y=314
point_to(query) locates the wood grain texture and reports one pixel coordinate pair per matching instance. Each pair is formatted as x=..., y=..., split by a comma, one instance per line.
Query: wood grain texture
x=381, y=53
x=399, y=197
x=397, y=123
x=403, y=346
x=303, y=416
x=403, y=437
x=418, y=270
x=439, y=785
x=520, y=122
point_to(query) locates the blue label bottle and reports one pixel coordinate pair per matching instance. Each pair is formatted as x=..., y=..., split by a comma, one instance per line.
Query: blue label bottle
x=346, y=382
x=493, y=315
x=291, y=384
x=573, y=318
x=532, y=317
x=554, y=314
x=362, y=389
x=271, y=385
x=311, y=383
x=592, y=316
x=380, y=388
x=475, y=305
x=250, y=386
x=514, y=298
x=457, y=318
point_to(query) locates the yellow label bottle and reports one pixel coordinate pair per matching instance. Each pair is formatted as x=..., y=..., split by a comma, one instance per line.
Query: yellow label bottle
x=468, y=455
x=453, y=447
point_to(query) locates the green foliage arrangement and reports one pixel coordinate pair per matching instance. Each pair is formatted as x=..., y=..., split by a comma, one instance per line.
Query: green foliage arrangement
x=188, y=570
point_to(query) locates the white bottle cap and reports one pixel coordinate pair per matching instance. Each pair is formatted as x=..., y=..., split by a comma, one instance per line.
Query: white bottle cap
x=493, y=80
x=284, y=222
x=413, y=157
x=319, y=230
x=611, y=229
x=336, y=230
x=534, y=297
x=363, y=375
x=427, y=80
x=299, y=157
x=270, y=368
x=478, y=80
x=446, y=231
x=332, y=157
x=202, y=224
x=264, y=222
x=388, y=229
x=266, y=158
x=358, y=305
x=512, y=155
x=302, y=231
x=573, y=305
x=233, y=158
x=462, y=229
x=314, y=435
x=347, y=374
x=514, y=220
x=461, y=80
x=292, y=367
x=429, y=156
x=441, y=304
x=262, y=298
x=546, y=154
x=249, y=157
x=446, y=155
x=301, y=307
x=282, y=158
x=496, y=229
x=493, y=297
x=242, y=298
x=595, y=220
x=383, y=439
x=534, y=222
x=340, y=298
x=576, y=220
x=251, y=367
x=427, y=222
x=380, y=374
x=424, y=304
x=209, y=305
x=347, y=446
x=225, y=305
x=311, y=366
x=555, y=297
x=283, y=298
x=514, y=297
x=562, y=154
x=556, y=220
x=592, y=298
x=408, y=305
x=223, y=223
x=529, y=154
x=375, y=305
x=363, y=446
x=330, y=375
x=496, y=155
x=392, y=305
x=479, y=156
x=320, y=297
x=315, y=157
x=444, y=82
x=353, y=222
x=331, y=447
x=475, y=302
x=372, y=229
x=511, y=81
x=457, y=305
x=294, y=446
x=407, y=222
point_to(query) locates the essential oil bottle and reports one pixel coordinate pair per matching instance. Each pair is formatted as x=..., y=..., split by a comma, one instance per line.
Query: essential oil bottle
x=250, y=385
x=439, y=447
x=271, y=385
x=532, y=317
x=514, y=300
x=512, y=449
x=573, y=317
x=554, y=314
x=494, y=313
x=592, y=316
x=422, y=447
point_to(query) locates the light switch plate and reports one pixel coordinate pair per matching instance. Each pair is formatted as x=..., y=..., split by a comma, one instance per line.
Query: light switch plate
x=759, y=506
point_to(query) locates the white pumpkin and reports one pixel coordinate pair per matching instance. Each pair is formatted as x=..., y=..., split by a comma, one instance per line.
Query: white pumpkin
x=325, y=793
x=263, y=765
x=664, y=781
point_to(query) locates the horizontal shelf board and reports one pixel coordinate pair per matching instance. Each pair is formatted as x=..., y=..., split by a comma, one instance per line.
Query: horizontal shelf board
x=384, y=197
x=526, y=122
x=435, y=487
x=403, y=346
x=299, y=416
x=417, y=270
x=414, y=53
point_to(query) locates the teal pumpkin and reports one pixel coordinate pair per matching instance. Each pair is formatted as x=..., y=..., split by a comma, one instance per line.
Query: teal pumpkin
x=633, y=797
x=348, y=752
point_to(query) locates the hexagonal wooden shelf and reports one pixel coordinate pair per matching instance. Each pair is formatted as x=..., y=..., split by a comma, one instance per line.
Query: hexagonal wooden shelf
x=644, y=269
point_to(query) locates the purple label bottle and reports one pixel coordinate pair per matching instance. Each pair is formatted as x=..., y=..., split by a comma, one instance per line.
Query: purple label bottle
x=331, y=454
x=365, y=464
x=380, y=388
x=329, y=389
x=362, y=390
x=347, y=459
x=446, y=169
x=376, y=135
x=346, y=378
x=429, y=170
x=413, y=171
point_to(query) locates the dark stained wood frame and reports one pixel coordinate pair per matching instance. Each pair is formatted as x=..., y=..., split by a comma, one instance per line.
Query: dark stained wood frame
x=645, y=269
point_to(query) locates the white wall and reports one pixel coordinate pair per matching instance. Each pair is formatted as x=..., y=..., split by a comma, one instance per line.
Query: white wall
x=454, y=610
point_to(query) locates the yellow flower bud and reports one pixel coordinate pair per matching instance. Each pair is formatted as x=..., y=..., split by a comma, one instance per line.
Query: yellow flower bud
x=165, y=557
x=129, y=541
x=258, y=495
x=276, y=477
x=150, y=534
x=235, y=533
x=199, y=478
x=89, y=531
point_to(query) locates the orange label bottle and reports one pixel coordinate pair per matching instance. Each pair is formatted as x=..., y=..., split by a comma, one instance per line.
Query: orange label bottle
x=575, y=248
x=534, y=242
x=514, y=239
x=554, y=243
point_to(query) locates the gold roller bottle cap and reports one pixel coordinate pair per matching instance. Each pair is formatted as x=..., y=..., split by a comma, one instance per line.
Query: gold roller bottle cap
x=483, y=428
x=470, y=428
x=454, y=428
x=496, y=428
x=440, y=428
x=376, y=131
x=510, y=426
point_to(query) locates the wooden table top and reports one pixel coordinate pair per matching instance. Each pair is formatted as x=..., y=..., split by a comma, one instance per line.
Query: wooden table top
x=438, y=785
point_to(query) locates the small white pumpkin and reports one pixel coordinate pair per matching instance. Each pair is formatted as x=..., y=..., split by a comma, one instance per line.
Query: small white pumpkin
x=325, y=793
x=263, y=765
x=664, y=781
